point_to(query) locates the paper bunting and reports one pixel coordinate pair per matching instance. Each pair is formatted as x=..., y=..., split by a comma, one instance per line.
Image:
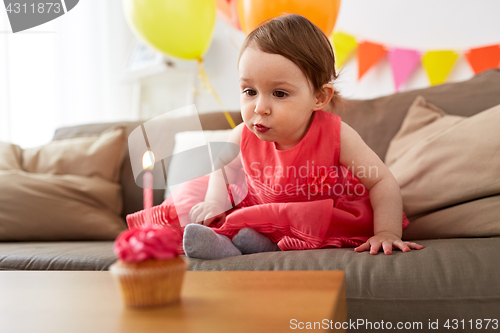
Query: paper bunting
x=403, y=63
x=483, y=58
x=438, y=65
x=368, y=55
x=344, y=46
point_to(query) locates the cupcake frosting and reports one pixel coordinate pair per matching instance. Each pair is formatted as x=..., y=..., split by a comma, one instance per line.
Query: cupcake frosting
x=139, y=244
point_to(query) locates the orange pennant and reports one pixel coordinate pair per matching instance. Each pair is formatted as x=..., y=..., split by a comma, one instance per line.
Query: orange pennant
x=368, y=55
x=483, y=58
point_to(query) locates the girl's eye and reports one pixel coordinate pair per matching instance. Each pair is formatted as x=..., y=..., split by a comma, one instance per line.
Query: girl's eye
x=280, y=94
x=250, y=92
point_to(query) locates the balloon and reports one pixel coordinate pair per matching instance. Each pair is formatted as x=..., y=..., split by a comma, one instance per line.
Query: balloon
x=178, y=28
x=228, y=11
x=323, y=13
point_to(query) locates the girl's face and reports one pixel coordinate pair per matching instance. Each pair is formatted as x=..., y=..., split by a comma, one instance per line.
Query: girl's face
x=277, y=100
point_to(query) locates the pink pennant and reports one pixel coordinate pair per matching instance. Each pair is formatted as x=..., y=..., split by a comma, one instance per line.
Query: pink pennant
x=403, y=63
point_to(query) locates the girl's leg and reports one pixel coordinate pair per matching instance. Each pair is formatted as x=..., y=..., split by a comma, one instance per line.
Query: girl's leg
x=203, y=243
x=307, y=222
x=250, y=241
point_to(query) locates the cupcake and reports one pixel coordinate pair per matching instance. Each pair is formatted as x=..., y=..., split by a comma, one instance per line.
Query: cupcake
x=149, y=270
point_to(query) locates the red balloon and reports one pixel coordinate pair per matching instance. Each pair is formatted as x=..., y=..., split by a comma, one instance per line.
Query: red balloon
x=228, y=11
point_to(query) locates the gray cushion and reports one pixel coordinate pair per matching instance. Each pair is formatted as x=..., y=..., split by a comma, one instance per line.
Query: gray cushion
x=449, y=278
x=85, y=256
x=462, y=267
x=450, y=268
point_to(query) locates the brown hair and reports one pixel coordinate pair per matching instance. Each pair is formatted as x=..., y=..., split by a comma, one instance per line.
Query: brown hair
x=302, y=42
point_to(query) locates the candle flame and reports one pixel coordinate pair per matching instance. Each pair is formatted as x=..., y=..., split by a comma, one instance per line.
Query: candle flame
x=148, y=160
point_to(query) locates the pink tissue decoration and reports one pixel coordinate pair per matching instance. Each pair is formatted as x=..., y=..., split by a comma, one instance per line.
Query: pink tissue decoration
x=152, y=242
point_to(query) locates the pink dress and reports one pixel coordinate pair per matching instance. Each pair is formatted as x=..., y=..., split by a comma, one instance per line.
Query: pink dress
x=301, y=198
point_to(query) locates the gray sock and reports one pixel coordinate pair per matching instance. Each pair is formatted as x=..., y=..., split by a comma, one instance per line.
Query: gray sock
x=203, y=243
x=250, y=241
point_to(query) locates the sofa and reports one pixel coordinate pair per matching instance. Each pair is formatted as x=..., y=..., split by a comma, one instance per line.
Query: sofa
x=456, y=275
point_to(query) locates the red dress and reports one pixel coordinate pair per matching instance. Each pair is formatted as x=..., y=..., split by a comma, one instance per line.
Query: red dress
x=301, y=198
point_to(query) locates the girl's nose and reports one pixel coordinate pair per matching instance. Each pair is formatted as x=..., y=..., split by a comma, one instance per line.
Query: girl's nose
x=262, y=108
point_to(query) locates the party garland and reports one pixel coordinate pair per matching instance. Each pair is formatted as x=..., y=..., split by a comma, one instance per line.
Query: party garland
x=437, y=63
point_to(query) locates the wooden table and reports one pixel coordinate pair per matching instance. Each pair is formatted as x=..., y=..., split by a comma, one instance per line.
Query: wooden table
x=212, y=301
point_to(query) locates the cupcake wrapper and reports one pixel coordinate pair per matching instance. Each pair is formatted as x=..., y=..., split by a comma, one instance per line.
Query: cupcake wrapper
x=152, y=286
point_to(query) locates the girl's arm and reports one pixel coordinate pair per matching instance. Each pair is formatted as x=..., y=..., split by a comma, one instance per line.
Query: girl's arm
x=208, y=211
x=385, y=195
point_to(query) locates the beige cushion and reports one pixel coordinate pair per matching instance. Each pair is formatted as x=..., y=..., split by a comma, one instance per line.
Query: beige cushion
x=441, y=161
x=36, y=207
x=477, y=218
x=132, y=194
x=70, y=192
x=191, y=139
x=378, y=120
x=90, y=156
x=10, y=156
x=423, y=121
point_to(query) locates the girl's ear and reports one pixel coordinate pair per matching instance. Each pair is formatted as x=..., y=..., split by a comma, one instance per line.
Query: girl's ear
x=324, y=96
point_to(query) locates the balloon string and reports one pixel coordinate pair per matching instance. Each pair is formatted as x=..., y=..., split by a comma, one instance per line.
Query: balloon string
x=231, y=40
x=205, y=84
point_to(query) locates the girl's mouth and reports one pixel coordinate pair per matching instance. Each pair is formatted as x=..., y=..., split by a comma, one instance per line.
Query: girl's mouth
x=260, y=128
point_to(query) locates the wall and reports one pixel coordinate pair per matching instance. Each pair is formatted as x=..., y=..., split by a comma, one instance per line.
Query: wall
x=422, y=25
x=65, y=72
x=89, y=45
x=179, y=85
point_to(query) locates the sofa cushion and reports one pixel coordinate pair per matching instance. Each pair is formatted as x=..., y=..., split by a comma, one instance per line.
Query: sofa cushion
x=446, y=276
x=448, y=178
x=192, y=139
x=91, y=156
x=422, y=122
x=69, y=193
x=475, y=218
x=378, y=120
x=446, y=266
x=449, y=164
x=388, y=276
x=132, y=194
x=10, y=156
x=90, y=255
x=36, y=207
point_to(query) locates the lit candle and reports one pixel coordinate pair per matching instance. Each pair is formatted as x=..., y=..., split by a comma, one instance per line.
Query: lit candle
x=148, y=162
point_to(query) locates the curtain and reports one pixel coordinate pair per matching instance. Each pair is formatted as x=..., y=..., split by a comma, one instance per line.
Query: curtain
x=65, y=72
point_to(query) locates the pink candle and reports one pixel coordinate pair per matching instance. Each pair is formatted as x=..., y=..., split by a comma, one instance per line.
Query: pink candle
x=147, y=180
x=147, y=183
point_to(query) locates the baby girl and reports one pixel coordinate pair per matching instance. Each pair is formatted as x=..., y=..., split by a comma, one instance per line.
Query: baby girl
x=312, y=181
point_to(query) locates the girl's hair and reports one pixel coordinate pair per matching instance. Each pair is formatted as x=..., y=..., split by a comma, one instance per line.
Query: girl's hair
x=302, y=42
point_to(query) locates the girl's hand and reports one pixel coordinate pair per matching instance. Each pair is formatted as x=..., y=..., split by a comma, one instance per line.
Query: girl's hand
x=206, y=213
x=388, y=242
